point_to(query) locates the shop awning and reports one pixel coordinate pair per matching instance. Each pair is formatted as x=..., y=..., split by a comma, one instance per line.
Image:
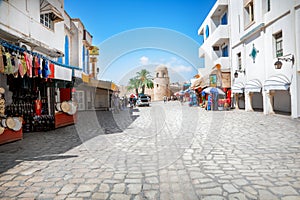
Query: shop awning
x=238, y=87
x=62, y=73
x=277, y=82
x=253, y=85
x=47, y=8
x=196, y=83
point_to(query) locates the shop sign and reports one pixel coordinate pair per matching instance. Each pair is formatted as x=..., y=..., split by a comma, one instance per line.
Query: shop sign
x=114, y=87
x=94, y=51
x=213, y=80
x=85, y=78
x=62, y=73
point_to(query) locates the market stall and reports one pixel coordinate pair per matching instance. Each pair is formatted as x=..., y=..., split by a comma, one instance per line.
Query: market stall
x=28, y=100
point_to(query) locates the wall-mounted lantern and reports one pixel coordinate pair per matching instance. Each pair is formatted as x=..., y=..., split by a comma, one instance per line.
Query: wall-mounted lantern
x=236, y=73
x=278, y=63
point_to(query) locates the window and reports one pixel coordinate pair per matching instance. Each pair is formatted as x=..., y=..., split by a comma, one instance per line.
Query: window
x=248, y=13
x=268, y=5
x=239, y=61
x=278, y=44
x=224, y=19
x=225, y=51
x=216, y=48
x=157, y=74
x=206, y=31
x=46, y=20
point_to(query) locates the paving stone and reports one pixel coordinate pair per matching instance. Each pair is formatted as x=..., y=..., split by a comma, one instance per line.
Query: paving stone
x=134, y=188
x=151, y=194
x=100, y=196
x=230, y=188
x=120, y=197
x=265, y=194
x=86, y=187
x=118, y=188
x=284, y=190
x=67, y=189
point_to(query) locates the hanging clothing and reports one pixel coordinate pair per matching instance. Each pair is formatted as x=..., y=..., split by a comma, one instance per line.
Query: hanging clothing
x=51, y=68
x=41, y=61
x=15, y=66
x=21, y=71
x=28, y=60
x=8, y=67
x=1, y=59
x=45, y=70
x=36, y=67
x=23, y=67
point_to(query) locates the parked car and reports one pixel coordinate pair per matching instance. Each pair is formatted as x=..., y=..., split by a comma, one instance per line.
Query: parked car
x=143, y=100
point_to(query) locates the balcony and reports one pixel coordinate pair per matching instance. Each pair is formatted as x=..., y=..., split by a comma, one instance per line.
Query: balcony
x=223, y=61
x=87, y=38
x=219, y=8
x=219, y=36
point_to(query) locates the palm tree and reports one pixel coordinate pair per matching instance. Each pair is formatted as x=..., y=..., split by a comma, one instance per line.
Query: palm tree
x=134, y=84
x=145, y=80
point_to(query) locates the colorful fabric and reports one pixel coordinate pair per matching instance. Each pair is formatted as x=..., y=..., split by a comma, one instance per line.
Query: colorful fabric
x=1, y=59
x=28, y=60
x=21, y=71
x=51, y=67
x=36, y=66
x=8, y=69
x=24, y=67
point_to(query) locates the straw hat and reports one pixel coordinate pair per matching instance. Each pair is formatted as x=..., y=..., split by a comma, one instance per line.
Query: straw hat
x=18, y=122
x=65, y=106
x=1, y=130
x=2, y=90
x=10, y=122
x=2, y=101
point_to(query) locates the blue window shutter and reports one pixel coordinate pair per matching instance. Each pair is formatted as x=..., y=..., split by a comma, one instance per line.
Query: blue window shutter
x=224, y=19
x=83, y=59
x=225, y=51
x=206, y=31
x=66, y=50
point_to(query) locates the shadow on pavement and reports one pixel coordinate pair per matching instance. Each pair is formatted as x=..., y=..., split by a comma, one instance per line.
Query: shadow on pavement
x=46, y=146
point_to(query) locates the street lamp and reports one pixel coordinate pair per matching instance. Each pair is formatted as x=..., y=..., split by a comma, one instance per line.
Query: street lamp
x=278, y=63
x=236, y=73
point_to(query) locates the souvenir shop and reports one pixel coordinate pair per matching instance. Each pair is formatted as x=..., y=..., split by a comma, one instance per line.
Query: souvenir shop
x=35, y=93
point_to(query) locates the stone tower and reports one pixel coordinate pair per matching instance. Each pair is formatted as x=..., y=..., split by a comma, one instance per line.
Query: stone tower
x=161, y=83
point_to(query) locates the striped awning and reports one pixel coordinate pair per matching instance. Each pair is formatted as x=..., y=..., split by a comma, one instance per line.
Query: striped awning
x=238, y=87
x=253, y=85
x=277, y=82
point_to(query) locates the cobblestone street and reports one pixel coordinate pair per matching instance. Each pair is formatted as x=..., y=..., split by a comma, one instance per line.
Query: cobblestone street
x=165, y=151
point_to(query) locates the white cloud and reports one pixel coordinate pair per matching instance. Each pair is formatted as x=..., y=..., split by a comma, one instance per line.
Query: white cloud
x=182, y=68
x=144, y=60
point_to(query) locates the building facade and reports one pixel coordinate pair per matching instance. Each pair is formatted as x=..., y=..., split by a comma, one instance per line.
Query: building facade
x=261, y=33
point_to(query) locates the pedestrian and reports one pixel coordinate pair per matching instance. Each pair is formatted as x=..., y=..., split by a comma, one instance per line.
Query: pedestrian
x=116, y=103
x=165, y=99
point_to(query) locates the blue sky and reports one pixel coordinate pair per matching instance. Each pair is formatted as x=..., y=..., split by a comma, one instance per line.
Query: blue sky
x=115, y=19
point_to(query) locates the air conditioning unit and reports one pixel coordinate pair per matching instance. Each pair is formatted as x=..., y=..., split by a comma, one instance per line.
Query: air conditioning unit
x=24, y=46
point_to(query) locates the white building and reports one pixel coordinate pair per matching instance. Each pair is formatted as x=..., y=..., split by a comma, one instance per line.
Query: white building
x=215, y=30
x=261, y=33
x=37, y=25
